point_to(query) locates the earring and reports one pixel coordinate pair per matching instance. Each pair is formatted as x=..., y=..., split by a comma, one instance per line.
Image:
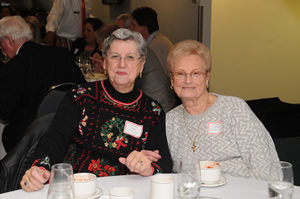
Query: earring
x=105, y=73
x=141, y=75
x=171, y=87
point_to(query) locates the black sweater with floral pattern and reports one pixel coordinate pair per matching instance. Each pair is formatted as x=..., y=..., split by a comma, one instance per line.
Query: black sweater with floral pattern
x=95, y=125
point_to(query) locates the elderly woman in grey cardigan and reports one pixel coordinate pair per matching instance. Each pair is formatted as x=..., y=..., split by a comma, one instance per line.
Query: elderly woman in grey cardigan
x=210, y=126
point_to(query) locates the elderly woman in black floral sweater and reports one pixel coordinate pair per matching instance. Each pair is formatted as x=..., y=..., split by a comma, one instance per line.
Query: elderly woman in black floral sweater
x=107, y=127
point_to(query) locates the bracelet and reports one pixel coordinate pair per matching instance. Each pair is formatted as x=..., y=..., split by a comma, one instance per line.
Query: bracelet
x=43, y=168
x=152, y=170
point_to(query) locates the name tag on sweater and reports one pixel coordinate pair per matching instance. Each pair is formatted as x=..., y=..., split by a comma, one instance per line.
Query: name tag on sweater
x=133, y=129
x=215, y=127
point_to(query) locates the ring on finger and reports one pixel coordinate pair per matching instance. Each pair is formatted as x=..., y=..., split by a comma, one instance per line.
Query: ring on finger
x=26, y=183
x=141, y=162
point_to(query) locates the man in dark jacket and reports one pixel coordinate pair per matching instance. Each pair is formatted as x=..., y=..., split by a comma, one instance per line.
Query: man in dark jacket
x=27, y=77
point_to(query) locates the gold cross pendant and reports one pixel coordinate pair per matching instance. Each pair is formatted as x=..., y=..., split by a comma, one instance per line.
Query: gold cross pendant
x=194, y=147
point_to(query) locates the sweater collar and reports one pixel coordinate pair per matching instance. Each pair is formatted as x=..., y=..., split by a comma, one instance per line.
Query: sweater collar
x=122, y=98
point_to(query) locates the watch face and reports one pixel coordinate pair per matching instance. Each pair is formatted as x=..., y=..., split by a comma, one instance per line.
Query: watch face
x=112, y=2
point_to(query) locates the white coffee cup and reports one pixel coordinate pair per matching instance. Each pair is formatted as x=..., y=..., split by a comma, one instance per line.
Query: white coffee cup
x=210, y=172
x=119, y=193
x=85, y=185
x=162, y=187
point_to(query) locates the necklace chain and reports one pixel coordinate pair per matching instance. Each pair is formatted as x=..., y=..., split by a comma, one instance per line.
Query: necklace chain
x=194, y=141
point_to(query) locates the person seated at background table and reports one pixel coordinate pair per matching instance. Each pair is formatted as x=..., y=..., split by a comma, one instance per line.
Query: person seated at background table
x=34, y=25
x=27, y=76
x=123, y=20
x=41, y=15
x=159, y=89
x=5, y=10
x=210, y=126
x=86, y=46
x=102, y=127
x=101, y=34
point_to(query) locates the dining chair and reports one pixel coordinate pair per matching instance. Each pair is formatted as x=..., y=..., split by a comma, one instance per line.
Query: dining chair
x=14, y=165
x=278, y=117
x=53, y=98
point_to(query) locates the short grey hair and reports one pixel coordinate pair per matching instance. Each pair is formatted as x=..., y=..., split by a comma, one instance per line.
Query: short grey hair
x=15, y=27
x=125, y=35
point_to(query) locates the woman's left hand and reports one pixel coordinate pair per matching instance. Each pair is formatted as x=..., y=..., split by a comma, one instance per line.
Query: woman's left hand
x=97, y=61
x=138, y=162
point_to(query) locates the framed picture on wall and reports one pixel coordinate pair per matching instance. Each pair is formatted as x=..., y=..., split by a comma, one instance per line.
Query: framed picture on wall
x=111, y=2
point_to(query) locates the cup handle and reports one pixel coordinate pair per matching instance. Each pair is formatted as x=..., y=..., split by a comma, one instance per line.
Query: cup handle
x=104, y=197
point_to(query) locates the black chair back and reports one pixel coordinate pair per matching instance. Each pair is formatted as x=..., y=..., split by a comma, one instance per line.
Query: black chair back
x=53, y=98
x=14, y=165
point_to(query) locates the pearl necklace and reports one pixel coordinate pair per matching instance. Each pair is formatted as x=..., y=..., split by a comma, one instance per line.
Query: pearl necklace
x=194, y=141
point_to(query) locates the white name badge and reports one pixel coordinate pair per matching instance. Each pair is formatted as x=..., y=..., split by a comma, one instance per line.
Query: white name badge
x=133, y=129
x=215, y=127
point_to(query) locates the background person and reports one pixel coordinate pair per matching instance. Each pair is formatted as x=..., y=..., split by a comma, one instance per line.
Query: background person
x=102, y=127
x=87, y=45
x=34, y=25
x=64, y=22
x=5, y=11
x=123, y=20
x=27, y=76
x=210, y=126
x=101, y=34
x=144, y=21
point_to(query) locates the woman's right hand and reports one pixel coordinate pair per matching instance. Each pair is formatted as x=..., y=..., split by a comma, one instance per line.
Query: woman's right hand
x=34, y=179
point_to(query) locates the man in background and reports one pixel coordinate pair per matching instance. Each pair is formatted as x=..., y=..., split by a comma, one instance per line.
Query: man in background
x=144, y=21
x=27, y=76
x=65, y=21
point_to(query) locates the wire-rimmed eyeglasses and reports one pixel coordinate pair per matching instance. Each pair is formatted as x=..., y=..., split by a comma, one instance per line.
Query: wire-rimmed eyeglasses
x=127, y=58
x=194, y=74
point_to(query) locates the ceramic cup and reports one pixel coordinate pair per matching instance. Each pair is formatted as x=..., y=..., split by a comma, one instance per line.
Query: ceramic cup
x=162, y=187
x=210, y=172
x=85, y=185
x=119, y=193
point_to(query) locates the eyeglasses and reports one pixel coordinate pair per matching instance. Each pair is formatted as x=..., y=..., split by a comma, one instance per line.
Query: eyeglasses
x=128, y=58
x=182, y=75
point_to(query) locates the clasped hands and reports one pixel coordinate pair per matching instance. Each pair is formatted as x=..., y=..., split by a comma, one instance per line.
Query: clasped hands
x=138, y=162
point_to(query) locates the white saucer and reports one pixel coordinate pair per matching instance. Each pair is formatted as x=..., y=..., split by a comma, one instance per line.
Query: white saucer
x=96, y=195
x=220, y=183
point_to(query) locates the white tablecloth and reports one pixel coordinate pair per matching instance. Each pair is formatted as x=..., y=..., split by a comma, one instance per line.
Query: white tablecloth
x=235, y=188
